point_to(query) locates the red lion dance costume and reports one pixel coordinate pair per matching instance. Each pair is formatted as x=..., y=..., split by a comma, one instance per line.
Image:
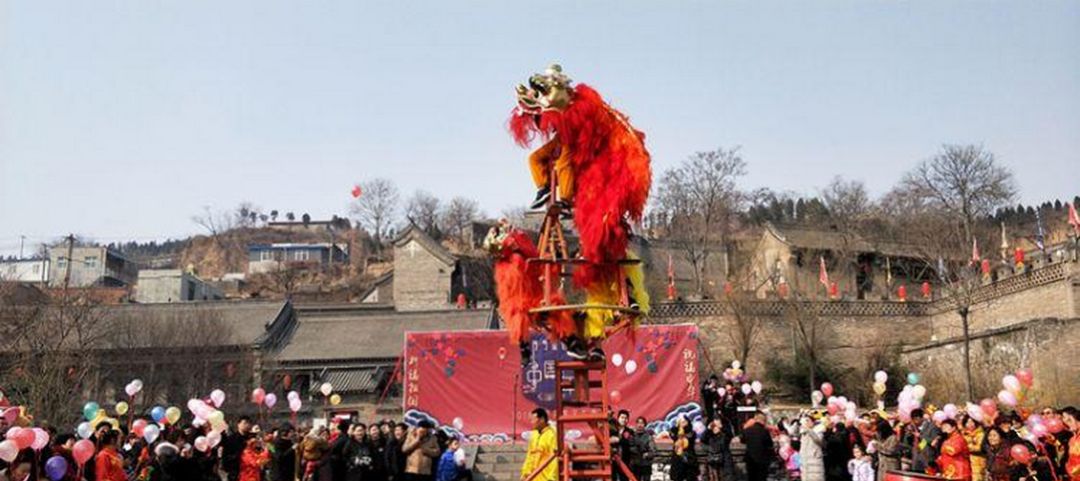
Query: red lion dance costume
x=603, y=172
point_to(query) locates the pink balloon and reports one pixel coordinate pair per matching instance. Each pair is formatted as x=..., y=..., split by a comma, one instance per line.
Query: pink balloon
x=827, y=389
x=270, y=400
x=23, y=438
x=8, y=451
x=294, y=405
x=1039, y=430
x=201, y=444
x=833, y=408
x=41, y=439
x=1025, y=376
x=1007, y=398
x=11, y=415
x=83, y=451
x=940, y=416
x=258, y=395
x=213, y=438
x=988, y=406
x=1021, y=453
x=1055, y=425
x=217, y=397
x=950, y=410
x=1011, y=383
x=138, y=426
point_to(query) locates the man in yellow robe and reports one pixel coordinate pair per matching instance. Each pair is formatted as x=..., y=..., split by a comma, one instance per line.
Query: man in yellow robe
x=542, y=445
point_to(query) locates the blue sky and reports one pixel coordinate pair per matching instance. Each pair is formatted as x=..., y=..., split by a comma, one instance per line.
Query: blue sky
x=121, y=119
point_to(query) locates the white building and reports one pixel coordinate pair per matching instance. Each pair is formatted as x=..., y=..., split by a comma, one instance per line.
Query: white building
x=25, y=270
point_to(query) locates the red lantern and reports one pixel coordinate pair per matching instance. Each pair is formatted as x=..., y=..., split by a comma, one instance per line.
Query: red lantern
x=986, y=267
x=461, y=302
x=671, y=292
x=834, y=290
x=926, y=290
x=286, y=381
x=901, y=292
x=782, y=290
x=1018, y=257
x=728, y=289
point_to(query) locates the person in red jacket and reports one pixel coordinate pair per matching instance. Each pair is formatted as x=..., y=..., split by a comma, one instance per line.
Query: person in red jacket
x=954, y=460
x=253, y=459
x=108, y=465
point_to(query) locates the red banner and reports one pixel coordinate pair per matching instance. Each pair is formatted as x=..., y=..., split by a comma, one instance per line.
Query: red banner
x=473, y=382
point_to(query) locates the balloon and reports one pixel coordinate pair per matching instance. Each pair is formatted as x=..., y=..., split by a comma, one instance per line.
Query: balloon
x=41, y=439
x=1011, y=383
x=8, y=450
x=974, y=412
x=84, y=430
x=1055, y=425
x=988, y=406
x=833, y=408
x=90, y=410
x=699, y=427
x=940, y=416
x=459, y=424
x=270, y=400
x=919, y=392
x=631, y=366
x=294, y=405
x=122, y=408
x=912, y=378
x=1034, y=419
x=11, y=415
x=216, y=417
x=616, y=360
x=950, y=410
x=615, y=397
x=757, y=387
x=213, y=438
x=157, y=414
x=1025, y=376
x=201, y=444
x=356, y=191
x=880, y=377
x=1020, y=453
x=198, y=422
x=816, y=397
x=56, y=468
x=335, y=399
x=138, y=426
x=1007, y=398
x=217, y=397
x=736, y=364
x=326, y=389
x=1039, y=430
x=258, y=395
x=137, y=384
x=172, y=414
x=292, y=395
x=150, y=433
x=23, y=438
x=879, y=388
x=827, y=389
x=83, y=451
x=746, y=389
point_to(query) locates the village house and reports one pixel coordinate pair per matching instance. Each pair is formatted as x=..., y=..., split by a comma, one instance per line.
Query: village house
x=90, y=266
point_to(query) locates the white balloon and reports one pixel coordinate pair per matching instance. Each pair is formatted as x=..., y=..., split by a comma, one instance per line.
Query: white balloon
x=84, y=430
x=631, y=366
x=919, y=391
x=880, y=377
x=326, y=389
x=151, y=432
x=756, y=386
x=736, y=364
x=459, y=424
x=746, y=389
x=617, y=360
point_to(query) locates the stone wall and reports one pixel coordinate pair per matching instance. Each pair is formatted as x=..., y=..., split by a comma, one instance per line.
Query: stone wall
x=1050, y=347
x=421, y=280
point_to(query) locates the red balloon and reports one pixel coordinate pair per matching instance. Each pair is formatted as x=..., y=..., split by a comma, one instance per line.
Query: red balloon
x=989, y=407
x=616, y=397
x=356, y=191
x=1026, y=377
x=24, y=438
x=1054, y=425
x=826, y=389
x=1020, y=453
x=83, y=451
x=138, y=426
x=258, y=395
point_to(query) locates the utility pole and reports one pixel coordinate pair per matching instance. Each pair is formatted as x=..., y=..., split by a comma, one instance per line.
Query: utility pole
x=22, y=240
x=67, y=265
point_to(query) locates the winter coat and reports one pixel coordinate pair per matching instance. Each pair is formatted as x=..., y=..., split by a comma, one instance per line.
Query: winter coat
x=888, y=451
x=837, y=454
x=717, y=449
x=357, y=460
x=812, y=455
x=861, y=470
x=642, y=449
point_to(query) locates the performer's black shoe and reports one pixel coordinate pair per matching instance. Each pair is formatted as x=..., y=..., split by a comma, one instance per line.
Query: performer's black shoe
x=566, y=211
x=575, y=348
x=542, y=197
x=526, y=353
x=596, y=354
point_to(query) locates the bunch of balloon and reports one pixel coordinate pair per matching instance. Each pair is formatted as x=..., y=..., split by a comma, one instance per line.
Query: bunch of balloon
x=258, y=397
x=132, y=389
x=880, y=378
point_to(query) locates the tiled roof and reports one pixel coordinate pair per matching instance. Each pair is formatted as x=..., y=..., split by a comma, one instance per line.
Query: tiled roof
x=829, y=240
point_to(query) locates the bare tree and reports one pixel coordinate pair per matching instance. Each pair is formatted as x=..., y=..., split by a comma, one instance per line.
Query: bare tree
x=698, y=202
x=458, y=216
x=964, y=181
x=422, y=209
x=376, y=209
x=848, y=206
x=46, y=345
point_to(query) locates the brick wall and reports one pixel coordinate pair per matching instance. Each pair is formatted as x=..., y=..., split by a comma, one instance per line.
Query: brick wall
x=421, y=280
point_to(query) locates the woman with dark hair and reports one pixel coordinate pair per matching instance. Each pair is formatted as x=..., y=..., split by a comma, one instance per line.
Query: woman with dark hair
x=888, y=448
x=718, y=462
x=973, y=434
x=954, y=460
x=998, y=459
x=684, y=466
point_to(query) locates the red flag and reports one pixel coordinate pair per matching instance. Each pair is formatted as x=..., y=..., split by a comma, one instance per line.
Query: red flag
x=671, y=278
x=1074, y=218
x=823, y=275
